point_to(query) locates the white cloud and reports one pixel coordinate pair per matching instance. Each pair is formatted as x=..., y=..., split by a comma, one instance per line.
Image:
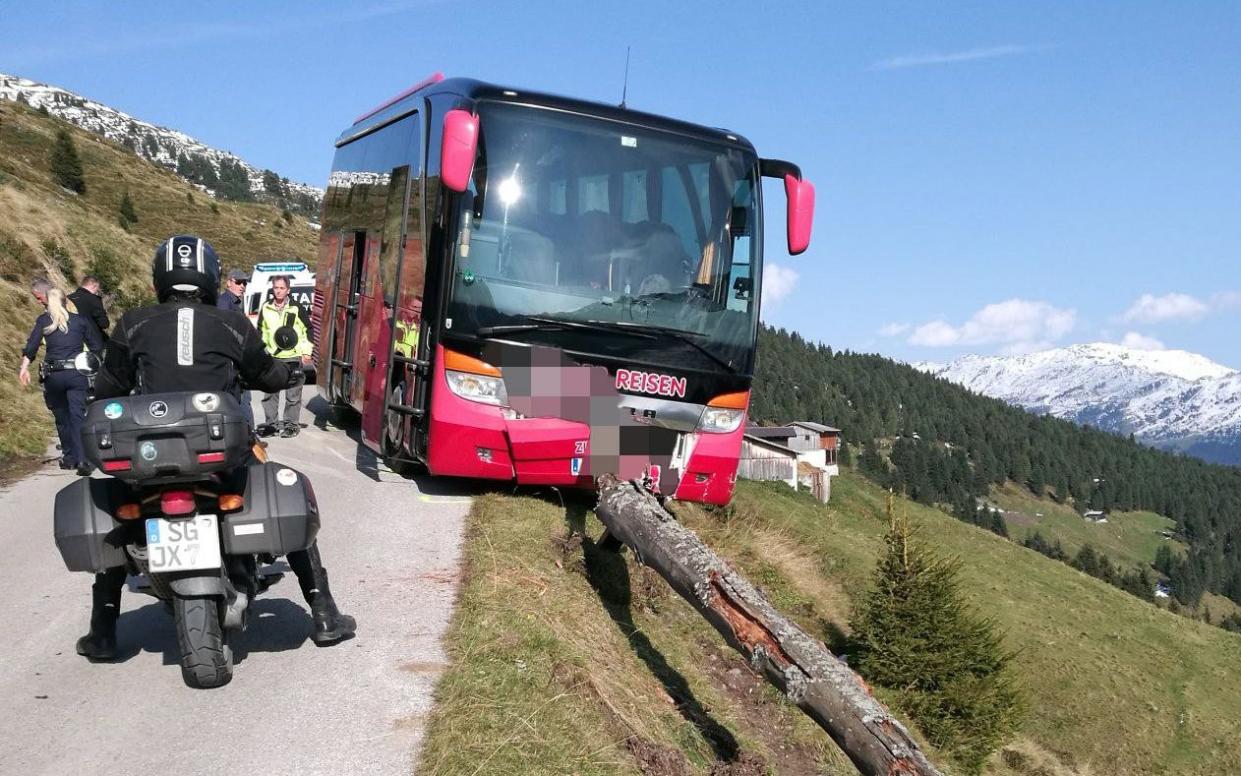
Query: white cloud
x=1018, y=324
x=1138, y=341
x=1225, y=300
x=778, y=282
x=893, y=329
x=952, y=57
x=1170, y=307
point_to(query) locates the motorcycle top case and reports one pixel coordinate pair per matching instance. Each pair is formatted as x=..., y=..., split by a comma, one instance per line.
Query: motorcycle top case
x=166, y=437
x=280, y=514
x=83, y=525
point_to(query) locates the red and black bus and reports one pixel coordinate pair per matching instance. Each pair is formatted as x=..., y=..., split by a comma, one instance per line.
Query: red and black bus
x=521, y=286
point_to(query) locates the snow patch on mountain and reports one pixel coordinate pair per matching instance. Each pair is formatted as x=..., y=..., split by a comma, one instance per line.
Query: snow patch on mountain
x=157, y=144
x=1168, y=398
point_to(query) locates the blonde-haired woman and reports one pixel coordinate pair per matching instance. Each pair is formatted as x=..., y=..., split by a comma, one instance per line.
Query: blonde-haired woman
x=64, y=389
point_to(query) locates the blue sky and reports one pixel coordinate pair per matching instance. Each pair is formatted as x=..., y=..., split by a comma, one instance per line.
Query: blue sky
x=992, y=177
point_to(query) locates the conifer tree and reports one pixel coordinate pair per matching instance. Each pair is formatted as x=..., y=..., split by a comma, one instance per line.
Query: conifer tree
x=998, y=526
x=128, y=216
x=66, y=165
x=914, y=634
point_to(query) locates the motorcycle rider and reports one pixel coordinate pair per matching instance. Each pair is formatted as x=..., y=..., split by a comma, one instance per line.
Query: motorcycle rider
x=186, y=343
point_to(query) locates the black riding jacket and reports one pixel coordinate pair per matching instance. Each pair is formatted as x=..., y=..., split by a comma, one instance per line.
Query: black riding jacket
x=185, y=346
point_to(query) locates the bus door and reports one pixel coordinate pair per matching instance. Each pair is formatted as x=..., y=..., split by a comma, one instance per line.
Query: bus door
x=404, y=409
x=347, y=294
x=367, y=322
x=394, y=348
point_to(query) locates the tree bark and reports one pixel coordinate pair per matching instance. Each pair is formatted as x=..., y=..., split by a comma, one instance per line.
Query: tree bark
x=795, y=662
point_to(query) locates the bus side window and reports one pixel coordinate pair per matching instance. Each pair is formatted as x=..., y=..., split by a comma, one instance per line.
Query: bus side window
x=394, y=216
x=557, y=197
x=740, y=290
x=633, y=196
x=677, y=212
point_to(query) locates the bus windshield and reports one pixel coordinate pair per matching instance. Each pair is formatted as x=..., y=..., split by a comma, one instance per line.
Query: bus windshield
x=607, y=237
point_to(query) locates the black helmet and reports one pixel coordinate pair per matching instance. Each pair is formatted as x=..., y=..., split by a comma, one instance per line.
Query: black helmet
x=187, y=264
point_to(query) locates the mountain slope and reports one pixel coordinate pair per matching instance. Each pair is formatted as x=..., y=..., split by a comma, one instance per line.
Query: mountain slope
x=582, y=661
x=950, y=446
x=1168, y=398
x=48, y=231
x=219, y=172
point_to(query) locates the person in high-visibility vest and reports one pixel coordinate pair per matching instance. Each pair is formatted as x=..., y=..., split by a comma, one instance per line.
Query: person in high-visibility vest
x=406, y=336
x=285, y=330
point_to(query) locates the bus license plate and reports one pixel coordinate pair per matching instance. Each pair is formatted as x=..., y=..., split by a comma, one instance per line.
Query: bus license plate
x=183, y=545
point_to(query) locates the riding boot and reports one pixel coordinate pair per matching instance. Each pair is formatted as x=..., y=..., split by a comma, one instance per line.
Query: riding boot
x=100, y=643
x=330, y=626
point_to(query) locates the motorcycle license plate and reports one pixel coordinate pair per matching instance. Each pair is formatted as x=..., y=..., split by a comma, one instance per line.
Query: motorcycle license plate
x=183, y=545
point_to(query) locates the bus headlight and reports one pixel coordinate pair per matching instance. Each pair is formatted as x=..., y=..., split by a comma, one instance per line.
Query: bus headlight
x=479, y=388
x=720, y=420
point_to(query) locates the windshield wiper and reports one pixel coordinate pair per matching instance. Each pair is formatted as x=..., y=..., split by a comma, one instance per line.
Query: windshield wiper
x=684, y=335
x=539, y=322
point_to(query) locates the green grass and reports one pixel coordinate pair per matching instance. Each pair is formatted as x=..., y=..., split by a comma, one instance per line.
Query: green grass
x=36, y=214
x=566, y=659
x=1127, y=538
x=548, y=675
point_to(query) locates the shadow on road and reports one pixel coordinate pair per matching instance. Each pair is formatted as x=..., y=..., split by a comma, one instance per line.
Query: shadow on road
x=276, y=625
x=371, y=465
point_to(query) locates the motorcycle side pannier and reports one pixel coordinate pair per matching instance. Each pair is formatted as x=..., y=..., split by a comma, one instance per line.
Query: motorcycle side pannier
x=166, y=437
x=82, y=520
x=280, y=513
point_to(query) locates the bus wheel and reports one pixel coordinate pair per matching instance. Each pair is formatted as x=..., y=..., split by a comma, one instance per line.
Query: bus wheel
x=394, y=431
x=395, y=454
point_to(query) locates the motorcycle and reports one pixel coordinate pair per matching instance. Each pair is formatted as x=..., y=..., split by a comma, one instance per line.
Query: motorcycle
x=191, y=504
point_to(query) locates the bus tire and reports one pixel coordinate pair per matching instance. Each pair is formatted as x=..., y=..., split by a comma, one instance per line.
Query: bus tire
x=394, y=432
x=206, y=658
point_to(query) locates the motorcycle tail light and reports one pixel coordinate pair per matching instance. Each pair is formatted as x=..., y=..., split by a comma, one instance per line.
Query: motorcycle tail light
x=231, y=502
x=177, y=502
x=211, y=457
x=129, y=512
x=119, y=465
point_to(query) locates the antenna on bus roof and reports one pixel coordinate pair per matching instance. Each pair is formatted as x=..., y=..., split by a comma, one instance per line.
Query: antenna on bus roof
x=625, y=88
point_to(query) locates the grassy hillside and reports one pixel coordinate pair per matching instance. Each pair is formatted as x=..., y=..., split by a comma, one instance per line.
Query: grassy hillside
x=1127, y=538
x=568, y=660
x=48, y=231
x=951, y=446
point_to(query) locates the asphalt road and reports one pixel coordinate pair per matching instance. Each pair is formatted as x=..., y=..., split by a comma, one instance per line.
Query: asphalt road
x=392, y=548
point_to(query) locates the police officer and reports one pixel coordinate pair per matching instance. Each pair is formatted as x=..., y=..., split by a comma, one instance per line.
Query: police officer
x=186, y=343
x=234, y=288
x=231, y=299
x=67, y=334
x=277, y=320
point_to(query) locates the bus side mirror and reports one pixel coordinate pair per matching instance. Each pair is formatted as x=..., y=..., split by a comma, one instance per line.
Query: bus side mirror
x=800, y=194
x=457, y=149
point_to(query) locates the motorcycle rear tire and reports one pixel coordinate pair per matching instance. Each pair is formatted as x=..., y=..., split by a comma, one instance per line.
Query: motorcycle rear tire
x=206, y=658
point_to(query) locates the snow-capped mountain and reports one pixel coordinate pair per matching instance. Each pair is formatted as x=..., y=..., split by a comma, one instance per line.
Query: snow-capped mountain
x=1167, y=398
x=215, y=171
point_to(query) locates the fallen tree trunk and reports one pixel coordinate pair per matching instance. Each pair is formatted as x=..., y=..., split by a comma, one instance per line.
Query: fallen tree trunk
x=795, y=662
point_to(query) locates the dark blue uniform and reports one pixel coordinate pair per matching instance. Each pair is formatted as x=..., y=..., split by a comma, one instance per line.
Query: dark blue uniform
x=227, y=301
x=65, y=389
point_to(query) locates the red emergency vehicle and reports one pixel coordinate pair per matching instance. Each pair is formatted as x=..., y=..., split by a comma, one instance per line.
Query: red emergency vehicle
x=521, y=286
